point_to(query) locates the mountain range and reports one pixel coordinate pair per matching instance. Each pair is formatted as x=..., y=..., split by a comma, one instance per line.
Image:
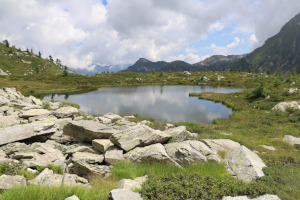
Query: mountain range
x=280, y=53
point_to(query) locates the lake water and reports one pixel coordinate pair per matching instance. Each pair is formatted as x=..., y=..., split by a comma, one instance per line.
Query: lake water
x=164, y=103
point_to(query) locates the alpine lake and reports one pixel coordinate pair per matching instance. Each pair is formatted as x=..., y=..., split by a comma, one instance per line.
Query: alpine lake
x=164, y=103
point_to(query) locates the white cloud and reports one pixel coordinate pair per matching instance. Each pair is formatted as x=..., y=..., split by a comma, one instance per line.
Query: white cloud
x=81, y=33
x=220, y=50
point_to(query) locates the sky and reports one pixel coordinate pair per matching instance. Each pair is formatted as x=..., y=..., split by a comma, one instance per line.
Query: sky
x=119, y=32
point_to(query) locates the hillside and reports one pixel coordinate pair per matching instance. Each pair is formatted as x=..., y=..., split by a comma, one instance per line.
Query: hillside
x=217, y=61
x=22, y=63
x=280, y=53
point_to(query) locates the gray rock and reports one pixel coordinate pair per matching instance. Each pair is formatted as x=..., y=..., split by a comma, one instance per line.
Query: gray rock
x=138, y=136
x=64, y=112
x=35, y=113
x=221, y=144
x=88, y=130
x=175, y=131
x=79, y=148
x=82, y=168
x=54, y=180
x=24, y=155
x=59, y=137
x=123, y=194
x=268, y=147
x=152, y=153
x=6, y=121
x=113, y=155
x=132, y=185
x=190, y=151
x=284, y=105
x=2, y=153
x=87, y=157
x=8, y=182
x=41, y=177
x=15, y=147
x=74, y=197
x=244, y=164
x=112, y=116
x=264, y=197
x=292, y=140
x=104, y=120
x=3, y=100
x=102, y=145
x=74, y=180
x=25, y=131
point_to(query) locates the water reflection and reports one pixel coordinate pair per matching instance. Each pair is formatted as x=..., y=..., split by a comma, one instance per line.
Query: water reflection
x=164, y=103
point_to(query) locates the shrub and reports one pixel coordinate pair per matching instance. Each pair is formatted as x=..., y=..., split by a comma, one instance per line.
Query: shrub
x=259, y=92
x=46, y=105
x=196, y=186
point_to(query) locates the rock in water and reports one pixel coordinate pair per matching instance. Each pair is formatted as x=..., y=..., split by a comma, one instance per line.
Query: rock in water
x=88, y=130
x=244, y=164
x=138, y=136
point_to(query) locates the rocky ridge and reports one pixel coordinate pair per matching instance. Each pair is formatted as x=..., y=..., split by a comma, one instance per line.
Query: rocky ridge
x=60, y=136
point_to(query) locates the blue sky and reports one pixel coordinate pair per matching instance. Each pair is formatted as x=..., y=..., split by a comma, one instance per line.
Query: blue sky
x=119, y=32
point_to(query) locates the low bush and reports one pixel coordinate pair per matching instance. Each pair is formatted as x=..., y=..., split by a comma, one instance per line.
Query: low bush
x=197, y=186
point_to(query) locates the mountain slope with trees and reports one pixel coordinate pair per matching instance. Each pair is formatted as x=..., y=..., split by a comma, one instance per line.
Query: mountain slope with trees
x=280, y=53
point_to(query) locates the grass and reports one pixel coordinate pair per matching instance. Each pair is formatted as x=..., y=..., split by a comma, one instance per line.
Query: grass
x=100, y=190
x=254, y=124
x=131, y=170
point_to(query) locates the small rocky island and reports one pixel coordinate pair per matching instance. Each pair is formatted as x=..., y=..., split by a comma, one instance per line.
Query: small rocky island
x=38, y=133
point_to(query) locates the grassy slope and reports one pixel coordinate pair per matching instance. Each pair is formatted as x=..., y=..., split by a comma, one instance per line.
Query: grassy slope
x=254, y=124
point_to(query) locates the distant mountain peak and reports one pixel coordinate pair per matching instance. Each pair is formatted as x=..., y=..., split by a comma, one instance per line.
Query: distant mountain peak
x=143, y=60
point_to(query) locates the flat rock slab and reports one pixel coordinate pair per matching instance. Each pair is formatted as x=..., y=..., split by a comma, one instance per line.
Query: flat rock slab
x=102, y=145
x=292, y=140
x=190, y=151
x=175, y=131
x=88, y=130
x=35, y=113
x=64, y=112
x=8, y=182
x=152, y=153
x=25, y=131
x=138, y=136
x=123, y=194
x=244, y=164
x=87, y=157
x=221, y=144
